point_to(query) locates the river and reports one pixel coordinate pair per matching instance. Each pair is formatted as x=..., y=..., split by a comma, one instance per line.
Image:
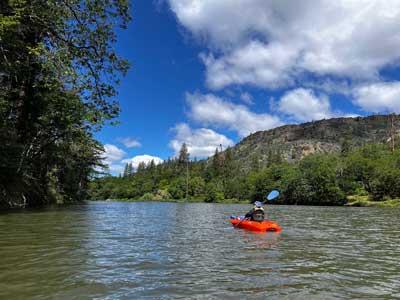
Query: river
x=117, y=250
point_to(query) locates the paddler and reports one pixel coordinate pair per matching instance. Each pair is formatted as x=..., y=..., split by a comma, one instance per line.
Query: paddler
x=256, y=213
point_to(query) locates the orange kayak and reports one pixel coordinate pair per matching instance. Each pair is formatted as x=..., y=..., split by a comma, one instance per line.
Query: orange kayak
x=263, y=226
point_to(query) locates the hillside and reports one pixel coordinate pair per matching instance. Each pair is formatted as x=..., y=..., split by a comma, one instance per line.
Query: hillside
x=365, y=170
x=293, y=142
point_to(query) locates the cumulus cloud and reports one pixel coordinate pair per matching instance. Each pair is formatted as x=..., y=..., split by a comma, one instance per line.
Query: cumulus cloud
x=112, y=157
x=265, y=65
x=274, y=43
x=113, y=153
x=378, y=97
x=130, y=142
x=200, y=142
x=303, y=105
x=212, y=110
x=136, y=160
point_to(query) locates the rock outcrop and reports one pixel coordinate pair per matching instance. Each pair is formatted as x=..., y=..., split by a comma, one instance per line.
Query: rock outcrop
x=293, y=142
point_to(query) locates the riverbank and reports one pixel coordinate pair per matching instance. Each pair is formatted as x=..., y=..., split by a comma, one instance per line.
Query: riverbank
x=364, y=201
x=352, y=201
x=224, y=201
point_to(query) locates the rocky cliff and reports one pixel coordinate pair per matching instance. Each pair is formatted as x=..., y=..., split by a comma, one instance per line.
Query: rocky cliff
x=293, y=142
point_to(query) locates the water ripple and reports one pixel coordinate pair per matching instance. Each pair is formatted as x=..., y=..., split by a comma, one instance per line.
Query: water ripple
x=190, y=251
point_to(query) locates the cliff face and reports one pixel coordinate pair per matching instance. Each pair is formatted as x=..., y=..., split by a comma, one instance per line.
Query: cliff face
x=293, y=142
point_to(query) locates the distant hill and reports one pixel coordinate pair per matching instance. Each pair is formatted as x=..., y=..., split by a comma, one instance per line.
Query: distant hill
x=293, y=142
x=256, y=165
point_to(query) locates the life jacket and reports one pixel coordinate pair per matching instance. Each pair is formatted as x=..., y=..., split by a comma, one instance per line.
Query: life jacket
x=258, y=208
x=258, y=214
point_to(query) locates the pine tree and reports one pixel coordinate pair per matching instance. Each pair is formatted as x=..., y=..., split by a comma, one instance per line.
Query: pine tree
x=228, y=162
x=183, y=154
x=130, y=169
x=125, y=174
x=141, y=168
x=151, y=166
x=216, y=163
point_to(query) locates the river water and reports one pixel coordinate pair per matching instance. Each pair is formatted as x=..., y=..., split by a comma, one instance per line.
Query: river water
x=116, y=250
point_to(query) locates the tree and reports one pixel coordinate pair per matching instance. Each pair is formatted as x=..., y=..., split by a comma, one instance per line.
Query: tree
x=216, y=163
x=141, y=168
x=255, y=162
x=345, y=146
x=197, y=187
x=213, y=193
x=130, y=170
x=319, y=173
x=57, y=75
x=125, y=174
x=183, y=154
x=177, y=188
x=265, y=181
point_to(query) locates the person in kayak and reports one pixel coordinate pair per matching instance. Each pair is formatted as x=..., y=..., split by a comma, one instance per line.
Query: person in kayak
x=256, y=213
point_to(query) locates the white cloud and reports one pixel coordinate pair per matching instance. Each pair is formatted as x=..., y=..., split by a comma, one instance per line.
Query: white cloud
x=200, y=142
x=130, y=142
x=274, y=43
x=303, y=105
x=255, y=63
x=142, y=158
x=246, y=98
x=113, y=153
x=116, y=168
x=211, y=110
x=378, y=97
x=112, y=158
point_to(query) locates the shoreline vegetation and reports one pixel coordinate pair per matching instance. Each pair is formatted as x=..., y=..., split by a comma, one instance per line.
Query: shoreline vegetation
x=363, y=176
x=364, y=201
x=353, y=201
x=58, y=77
x=225, y=201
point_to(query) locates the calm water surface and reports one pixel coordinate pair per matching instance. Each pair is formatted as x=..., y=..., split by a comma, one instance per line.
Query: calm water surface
x=111, y=250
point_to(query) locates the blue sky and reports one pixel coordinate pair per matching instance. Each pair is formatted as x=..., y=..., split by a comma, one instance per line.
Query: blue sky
x=211, y=72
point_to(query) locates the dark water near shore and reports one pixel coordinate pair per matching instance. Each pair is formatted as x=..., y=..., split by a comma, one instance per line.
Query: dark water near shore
x=111, y=250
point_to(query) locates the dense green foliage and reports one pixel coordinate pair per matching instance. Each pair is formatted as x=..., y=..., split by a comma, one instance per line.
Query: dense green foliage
x=57, y=76
x=315, y=180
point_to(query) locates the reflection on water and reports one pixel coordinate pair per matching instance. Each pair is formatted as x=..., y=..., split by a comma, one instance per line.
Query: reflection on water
x=190, y=251
x=256, y=241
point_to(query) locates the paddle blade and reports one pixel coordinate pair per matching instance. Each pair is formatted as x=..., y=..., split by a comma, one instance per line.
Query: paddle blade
x=273, y=195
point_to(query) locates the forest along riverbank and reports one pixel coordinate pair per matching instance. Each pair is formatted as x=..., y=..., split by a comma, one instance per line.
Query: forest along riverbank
x=365, y=176
x=145, y=250
x=353, y=201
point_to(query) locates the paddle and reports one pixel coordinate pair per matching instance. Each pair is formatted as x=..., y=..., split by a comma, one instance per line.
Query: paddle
x=240, y=222
x=271, y=196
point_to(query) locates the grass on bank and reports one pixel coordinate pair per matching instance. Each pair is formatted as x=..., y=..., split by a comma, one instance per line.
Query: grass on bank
x=364, y=201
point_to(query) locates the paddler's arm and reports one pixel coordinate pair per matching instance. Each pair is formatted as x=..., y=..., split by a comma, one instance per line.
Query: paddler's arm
x=249, y=214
